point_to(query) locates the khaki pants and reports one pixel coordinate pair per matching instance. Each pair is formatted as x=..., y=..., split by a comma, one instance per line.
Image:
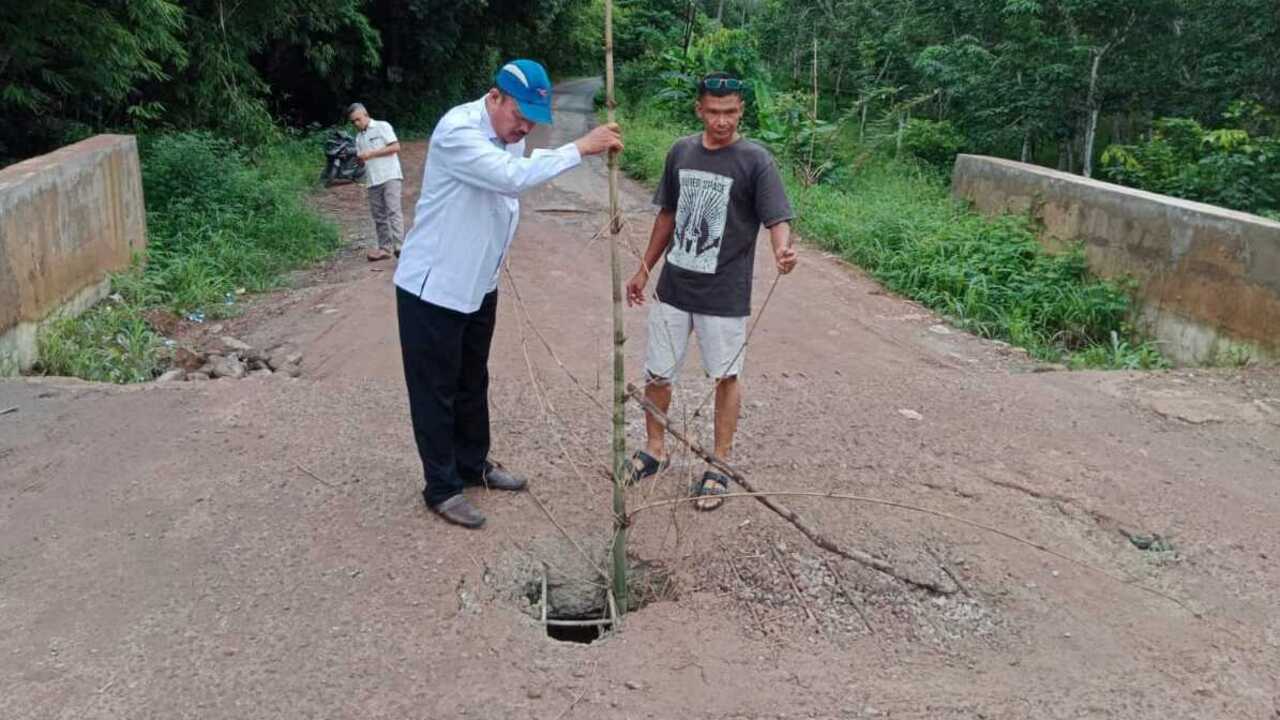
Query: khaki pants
x=388, y=218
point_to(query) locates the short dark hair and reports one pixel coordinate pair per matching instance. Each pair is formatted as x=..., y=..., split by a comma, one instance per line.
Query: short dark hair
x=704, y=91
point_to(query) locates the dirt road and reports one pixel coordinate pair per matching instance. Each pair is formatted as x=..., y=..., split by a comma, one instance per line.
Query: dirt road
x=258, y=548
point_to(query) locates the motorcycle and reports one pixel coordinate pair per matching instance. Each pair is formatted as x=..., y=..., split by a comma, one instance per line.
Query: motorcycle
x=342, y=164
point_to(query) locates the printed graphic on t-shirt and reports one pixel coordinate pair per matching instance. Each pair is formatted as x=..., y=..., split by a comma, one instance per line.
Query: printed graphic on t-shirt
x=700, y=219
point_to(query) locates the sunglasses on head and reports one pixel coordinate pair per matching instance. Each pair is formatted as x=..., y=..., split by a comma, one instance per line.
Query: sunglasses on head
x=723, y=84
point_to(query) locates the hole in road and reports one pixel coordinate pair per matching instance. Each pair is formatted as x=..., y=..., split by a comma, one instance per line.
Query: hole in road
x=582, y=634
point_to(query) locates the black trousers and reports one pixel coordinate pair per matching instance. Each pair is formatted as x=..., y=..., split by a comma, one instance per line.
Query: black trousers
x=446, y=368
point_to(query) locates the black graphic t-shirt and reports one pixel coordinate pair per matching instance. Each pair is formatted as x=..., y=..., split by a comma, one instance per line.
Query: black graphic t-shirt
x=721, y=198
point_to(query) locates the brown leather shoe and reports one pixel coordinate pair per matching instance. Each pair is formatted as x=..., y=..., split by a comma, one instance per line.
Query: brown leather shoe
x=497, y=477
x=377, y=254
x=459, y=511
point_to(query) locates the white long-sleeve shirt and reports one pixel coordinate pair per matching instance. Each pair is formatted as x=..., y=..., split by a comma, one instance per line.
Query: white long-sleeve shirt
x=467, y=213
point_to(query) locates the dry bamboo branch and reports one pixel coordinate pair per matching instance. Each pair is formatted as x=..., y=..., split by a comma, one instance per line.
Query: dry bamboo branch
x=544, y=401
x=764, y=632
x=524, y=311
x=786, y=513
x=763, y=496
x=750, y=332
x=848, y=595
x=942, y=564
x=795, y=587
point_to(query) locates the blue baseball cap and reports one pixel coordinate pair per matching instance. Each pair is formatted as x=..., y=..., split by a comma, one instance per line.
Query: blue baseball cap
x=527, y=82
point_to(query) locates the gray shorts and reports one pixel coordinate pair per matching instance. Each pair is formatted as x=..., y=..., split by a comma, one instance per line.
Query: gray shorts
x=721, y=341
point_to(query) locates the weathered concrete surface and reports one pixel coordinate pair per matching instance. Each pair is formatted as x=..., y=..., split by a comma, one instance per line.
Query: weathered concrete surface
x=67, y=220
x=1208, y=278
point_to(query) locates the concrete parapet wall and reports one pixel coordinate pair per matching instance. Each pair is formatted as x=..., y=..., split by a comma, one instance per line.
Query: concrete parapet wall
x=1208, y=278
x=67, y=220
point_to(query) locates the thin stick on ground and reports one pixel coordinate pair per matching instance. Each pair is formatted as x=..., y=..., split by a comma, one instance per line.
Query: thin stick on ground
x=844, y=590
x=784, y=512
x=942, y=564
x=764, y=631
x=795, y=587
x=572, y=705
x=316, y=477
x=936, y=513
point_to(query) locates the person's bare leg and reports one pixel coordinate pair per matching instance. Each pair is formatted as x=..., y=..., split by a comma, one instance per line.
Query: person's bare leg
x=728, y=405
x=658, y=393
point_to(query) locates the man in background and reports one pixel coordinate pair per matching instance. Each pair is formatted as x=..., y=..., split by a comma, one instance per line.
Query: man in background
x=378, y=148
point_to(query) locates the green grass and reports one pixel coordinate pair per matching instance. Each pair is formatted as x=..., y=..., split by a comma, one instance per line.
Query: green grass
x=219, y=221
x=990, y=277
x=109, y=343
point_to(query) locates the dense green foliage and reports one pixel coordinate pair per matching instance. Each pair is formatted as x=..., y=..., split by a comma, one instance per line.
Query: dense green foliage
x=1049, y=81
x=72, y=67
x=1229, y=166
x=218, y=225
x=1017, y=77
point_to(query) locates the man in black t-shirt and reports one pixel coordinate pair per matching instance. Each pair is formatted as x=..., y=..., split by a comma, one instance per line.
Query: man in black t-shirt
x=716, y=191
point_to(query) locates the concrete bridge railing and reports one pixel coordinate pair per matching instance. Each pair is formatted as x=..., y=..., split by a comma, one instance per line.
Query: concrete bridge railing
x=67, y=220
x=1208, y=278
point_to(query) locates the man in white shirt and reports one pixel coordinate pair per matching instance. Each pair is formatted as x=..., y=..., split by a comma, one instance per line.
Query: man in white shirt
x=447, y=278
x=378, y=148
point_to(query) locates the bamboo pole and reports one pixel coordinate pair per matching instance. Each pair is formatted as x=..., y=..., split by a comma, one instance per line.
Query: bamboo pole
x=619, y=378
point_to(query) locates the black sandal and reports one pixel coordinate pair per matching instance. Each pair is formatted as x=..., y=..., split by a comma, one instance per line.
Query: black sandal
x=709, y=491
x=644, y=465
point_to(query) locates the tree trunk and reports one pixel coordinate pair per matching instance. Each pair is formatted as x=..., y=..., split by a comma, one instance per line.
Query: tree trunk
x=813, y=119
x=720, y=12
x=835, y=98
x=1091, y=130
x=619, y=380
x=688, y=27
x=1086, y=160
x=1026, y=130
x=815, y=78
